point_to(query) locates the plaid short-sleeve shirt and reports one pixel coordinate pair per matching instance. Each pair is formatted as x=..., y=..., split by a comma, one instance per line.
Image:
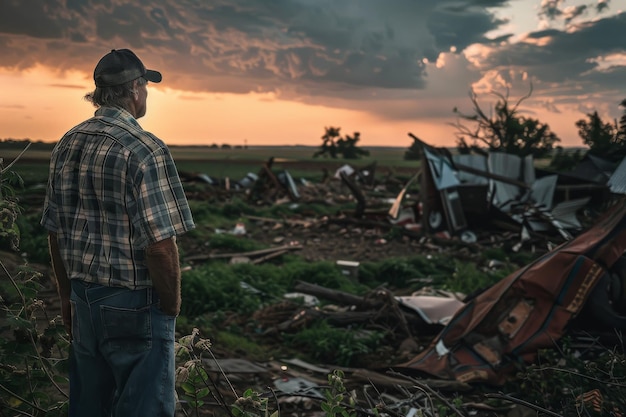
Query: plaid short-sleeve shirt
x=113, y=189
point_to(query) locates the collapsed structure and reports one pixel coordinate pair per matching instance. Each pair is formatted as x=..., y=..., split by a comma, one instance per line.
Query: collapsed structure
x=531, y=308
x=463, y=192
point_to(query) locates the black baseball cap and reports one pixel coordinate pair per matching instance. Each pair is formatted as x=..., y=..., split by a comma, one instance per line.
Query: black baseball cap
x=121, y=66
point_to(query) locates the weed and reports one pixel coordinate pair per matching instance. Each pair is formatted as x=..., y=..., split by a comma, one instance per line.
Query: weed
x=467, y=278
x=215, y=287
x=333, y=345
x=402, y=272
x=251, y=404
x=324, y=273
x=33, y=347
x=571, y=381
x=334, y=395
x=191, y=377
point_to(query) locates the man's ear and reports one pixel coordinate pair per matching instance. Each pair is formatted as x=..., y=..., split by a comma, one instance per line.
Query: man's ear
x=135, y=91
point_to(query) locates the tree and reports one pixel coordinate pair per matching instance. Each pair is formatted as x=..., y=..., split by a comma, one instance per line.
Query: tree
x=346, y=147
x=602, y=138
x=328, y=147
x=504, y=131
x=596, y=134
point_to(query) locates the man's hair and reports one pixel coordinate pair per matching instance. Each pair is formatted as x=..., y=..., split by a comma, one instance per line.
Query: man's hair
x=115, y=96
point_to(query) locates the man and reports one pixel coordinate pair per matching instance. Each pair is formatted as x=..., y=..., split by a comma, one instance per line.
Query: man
x=113, y=207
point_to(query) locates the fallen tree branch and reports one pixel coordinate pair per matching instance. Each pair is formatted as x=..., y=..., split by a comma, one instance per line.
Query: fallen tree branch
x=336, y=296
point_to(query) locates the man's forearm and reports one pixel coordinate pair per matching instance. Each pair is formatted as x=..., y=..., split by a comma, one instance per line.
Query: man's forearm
x=164, y=269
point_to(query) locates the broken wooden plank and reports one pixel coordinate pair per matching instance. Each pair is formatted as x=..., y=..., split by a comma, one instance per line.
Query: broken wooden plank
x=250, y=254
x=269, y=256
x=291, y=222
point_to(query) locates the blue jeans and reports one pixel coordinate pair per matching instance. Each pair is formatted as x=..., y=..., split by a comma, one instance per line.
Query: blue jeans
x=122, y=353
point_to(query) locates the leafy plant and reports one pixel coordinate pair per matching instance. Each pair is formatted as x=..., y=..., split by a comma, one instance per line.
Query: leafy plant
x=251, y=404
x=191, y=377
x=33, y=240
x=334, y=395
x=196, y=386
x=9, y=209
x=569, y=381
x=33, y=349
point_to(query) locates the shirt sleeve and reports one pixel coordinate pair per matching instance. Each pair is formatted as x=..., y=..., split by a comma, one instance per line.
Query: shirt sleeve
x=49, y=216
x=162, y=210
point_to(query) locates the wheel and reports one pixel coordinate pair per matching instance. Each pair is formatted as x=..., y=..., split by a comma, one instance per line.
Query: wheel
x=435, y=220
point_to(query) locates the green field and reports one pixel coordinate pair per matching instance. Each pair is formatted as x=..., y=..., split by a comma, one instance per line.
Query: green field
x=232, y=163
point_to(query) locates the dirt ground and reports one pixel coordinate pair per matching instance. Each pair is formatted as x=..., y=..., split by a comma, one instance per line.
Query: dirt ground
x=329, y=238
x=333, y=239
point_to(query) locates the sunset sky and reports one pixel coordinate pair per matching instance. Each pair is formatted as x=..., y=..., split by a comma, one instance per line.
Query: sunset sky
x=277, y=72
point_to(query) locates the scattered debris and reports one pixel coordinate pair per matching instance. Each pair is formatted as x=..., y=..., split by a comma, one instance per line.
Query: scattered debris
x=530, y=309
x=432, y=309
x=458, y=205
x=469, y=199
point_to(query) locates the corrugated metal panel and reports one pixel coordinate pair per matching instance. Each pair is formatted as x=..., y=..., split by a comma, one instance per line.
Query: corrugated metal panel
x=509, y=166
x=617, y=181
x=473, y=161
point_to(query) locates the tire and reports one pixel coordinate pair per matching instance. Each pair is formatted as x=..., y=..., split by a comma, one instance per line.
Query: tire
x=435, y=220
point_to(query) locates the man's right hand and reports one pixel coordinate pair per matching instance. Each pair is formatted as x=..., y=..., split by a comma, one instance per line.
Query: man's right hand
x=164, y=270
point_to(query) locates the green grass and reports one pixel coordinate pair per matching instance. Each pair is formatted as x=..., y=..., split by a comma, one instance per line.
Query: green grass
x=231, y=163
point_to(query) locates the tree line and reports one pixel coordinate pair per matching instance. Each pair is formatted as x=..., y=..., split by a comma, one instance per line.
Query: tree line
x=505, y=129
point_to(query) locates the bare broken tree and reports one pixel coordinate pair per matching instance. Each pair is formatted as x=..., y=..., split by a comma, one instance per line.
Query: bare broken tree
x=504, y=130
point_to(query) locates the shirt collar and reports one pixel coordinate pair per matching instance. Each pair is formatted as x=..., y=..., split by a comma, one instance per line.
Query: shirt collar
x=117, y=113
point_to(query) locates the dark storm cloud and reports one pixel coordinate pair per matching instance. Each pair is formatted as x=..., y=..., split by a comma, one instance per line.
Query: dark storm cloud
x=460, y=29
x=359, y=53
x=25, y=18
x=319, y=45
